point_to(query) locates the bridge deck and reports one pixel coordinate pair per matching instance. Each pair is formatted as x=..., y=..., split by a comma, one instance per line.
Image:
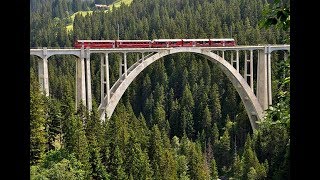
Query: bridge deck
x=241, y=47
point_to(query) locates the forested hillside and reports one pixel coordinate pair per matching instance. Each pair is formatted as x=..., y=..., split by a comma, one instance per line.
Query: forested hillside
x=181, y=118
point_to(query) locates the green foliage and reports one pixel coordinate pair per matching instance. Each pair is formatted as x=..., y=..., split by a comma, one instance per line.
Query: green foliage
x=38, y=129
x=58, y=164
x=214, y=171
x=278, y=14
x=237, y=167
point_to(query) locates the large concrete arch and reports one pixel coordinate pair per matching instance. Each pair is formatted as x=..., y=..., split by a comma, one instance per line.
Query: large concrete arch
x=250, y=101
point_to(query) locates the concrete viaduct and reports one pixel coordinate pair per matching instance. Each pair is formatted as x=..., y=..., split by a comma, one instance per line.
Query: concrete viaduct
x=255, y=103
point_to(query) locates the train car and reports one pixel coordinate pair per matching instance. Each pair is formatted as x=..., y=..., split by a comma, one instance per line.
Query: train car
x=162, y=43
x=222, y=42
x=133, y=43
x=95, y=43
x=196, y=42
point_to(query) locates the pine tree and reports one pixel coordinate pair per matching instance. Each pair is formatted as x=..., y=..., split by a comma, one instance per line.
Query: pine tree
x=117, y=170
x=224, y=149
x=159, y=117
x=98, y=169
x=187, y=105
x=237, y=167
x=155, y=152
x=214, y=170
x=250, y=162
x=182, y=168
x=137, y=161
x=38, y=131
x=206, y=119
x=214, y=103
x=55, y=124
x=79, y=139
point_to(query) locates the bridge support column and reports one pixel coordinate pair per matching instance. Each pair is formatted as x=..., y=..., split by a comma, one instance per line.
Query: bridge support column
x=251, y=69
x=107, y=82
x=232, y=60
x=137, y=57
x=245, y=72
x=43, y=73
x=142, y=57
x=102, y=81
x=262, y=84
x=80, y=81
x=222, y=54
x=269, y=76
x=125, y=65
x=121, y=65
x=88, y=80
x=237, y=60
x=105, y=85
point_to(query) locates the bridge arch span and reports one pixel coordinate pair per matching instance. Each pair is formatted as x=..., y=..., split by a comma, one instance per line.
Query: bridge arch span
x=250, y=101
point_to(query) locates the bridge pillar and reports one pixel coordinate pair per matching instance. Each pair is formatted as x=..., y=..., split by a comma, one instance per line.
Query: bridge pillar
x=245, y=72
x=88, y=80
x=237, y=60
x=222, y=54
x=125, y=65
x=251, y=69
x=269, y=76
x=142, y=57
x=102, y=81
x=262, y=84
x=105, y=83
x=121, y=68
x=80, y=81
x=43, y=73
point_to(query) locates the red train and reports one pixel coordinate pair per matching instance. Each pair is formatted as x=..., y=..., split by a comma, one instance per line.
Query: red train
x=156, y=43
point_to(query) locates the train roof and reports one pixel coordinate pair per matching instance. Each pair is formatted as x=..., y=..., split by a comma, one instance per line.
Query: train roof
x=166, y=40
x=222, y=39
x=95, y=41
x=195, y=39
x=133, y=40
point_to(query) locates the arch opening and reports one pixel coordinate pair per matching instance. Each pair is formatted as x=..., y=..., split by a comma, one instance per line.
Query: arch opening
x=247, y=96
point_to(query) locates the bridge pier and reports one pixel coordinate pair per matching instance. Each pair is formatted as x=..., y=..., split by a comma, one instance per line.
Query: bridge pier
x=105, y=82
x=269, y=75
x=80, y=80
x=237, y=60
x=43, y=73
x=262, y=86
x=88, y=80
x=251, y=69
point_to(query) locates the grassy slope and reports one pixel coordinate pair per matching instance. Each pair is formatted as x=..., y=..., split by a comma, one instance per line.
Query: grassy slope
x=84, y=13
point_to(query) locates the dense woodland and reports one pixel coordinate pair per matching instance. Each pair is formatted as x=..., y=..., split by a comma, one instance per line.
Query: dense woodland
x=181, y=118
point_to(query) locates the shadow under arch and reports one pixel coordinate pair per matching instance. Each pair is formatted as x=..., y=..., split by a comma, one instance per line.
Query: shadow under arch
x=250, y=101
